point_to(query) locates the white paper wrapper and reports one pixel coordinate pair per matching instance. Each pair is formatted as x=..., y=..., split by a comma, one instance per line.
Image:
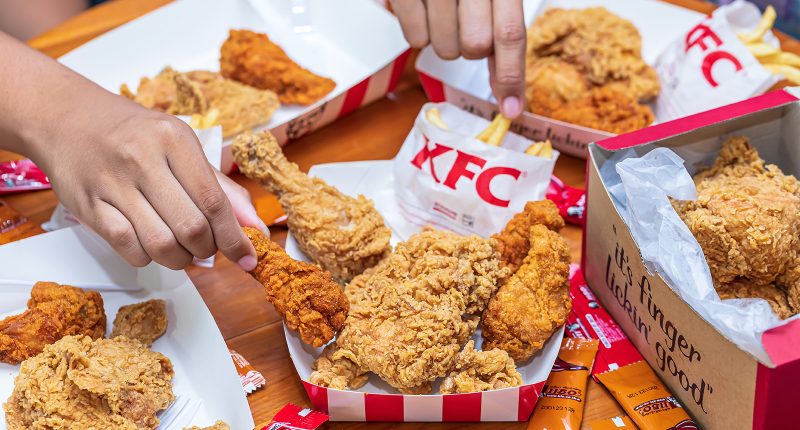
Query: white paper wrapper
x=641, y=187
x=449, y=179
x=708, y=66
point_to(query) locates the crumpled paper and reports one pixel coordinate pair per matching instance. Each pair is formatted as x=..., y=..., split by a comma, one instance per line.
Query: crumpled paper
x=641, y=187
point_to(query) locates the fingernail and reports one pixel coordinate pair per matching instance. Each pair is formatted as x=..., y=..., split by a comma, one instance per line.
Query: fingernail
x=248, y=262
x=511, y=107
x=263, y=227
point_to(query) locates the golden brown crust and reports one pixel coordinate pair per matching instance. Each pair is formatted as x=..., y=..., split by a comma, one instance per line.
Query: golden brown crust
x=481, y=371
x=145, y=321
x=774, y=295
x=307, y=297
x=253, y=59
x=219, y=425
x=514, y=241
x=54, y=311
x=607, y=109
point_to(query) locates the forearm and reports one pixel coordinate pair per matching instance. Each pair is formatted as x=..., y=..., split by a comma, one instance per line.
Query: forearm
x=38, y=97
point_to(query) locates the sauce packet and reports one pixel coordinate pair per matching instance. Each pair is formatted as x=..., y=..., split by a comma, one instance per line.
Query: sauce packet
x=564, y=394
x=615, y=423
x=250, y=378
x=570, y=201
x=21, y=175
x=292, y=417
x=14, y=226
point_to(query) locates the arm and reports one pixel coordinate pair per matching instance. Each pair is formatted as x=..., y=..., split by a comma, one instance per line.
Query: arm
x=136, y=177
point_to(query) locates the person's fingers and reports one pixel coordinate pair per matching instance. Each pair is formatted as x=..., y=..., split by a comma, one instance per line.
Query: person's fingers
x=414, y=21
x=190, y=167
x=507, y=70
x=111, y=225
x=475, y=28
x=241, y=202
x=443, y=28
x=153, y=233
x=189, y=226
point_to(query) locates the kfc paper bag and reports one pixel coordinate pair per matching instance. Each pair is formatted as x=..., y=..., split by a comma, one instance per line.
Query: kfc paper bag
x=709, y=67
x=449, y=179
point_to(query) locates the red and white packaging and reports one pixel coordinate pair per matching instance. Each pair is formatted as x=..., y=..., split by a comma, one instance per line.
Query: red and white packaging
x=292, y=417
x=451, y=180
x=21, y=175
x=709, y=66
x=664, y=29
x=250, y=378
x=571, y=201
x=361, y=47
x=716, y=372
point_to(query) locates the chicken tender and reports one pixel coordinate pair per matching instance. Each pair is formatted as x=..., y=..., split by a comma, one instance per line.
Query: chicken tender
x=145, y=322
x=344, y=235
x=251, y=58
x=54, y=311
x=81, y=383
x=514, y=242
x=534, y=302
x=307, y=298
x=416, y=311
x=481, y=371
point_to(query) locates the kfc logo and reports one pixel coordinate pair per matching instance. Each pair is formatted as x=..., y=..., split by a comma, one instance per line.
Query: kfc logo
x=466, y=166
x=704, y=38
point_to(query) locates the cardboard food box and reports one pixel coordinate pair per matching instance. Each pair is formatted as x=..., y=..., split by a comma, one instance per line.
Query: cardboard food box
x=377, y=401
x=721, y=385
x=360, y=46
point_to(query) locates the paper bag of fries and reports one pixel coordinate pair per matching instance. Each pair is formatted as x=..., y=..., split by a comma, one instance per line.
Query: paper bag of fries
x=460, y=172
x=730, y=56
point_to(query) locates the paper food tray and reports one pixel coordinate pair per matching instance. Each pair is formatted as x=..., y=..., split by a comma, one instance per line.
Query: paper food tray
x=206, y=384
x=465, y=83
x=356, y=43
x=377, y=401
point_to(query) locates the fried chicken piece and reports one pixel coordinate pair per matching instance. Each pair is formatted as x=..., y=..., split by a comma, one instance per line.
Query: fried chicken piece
x=145, y=321
x=607, y=109
x=219, y=425
x=415, y=312
x=481, y=371
x=307, y=298
x=253, y=59
x=774, y=295
x=240, y=107
x=746, y=217
x=54, y=311
x=80, y=383
x=552, y=82
x=339, y=374
x=344, y=235
x=514, y=242
x=534, y=302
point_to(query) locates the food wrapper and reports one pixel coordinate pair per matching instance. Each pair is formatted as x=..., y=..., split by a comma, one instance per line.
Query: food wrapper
x=614, y=423
x=449, y=179
x=564, y=395
x=571, y=201
x=641, y=187
x=709, y=66
x=14, y=226
x=292, y=417
x=251, y=378
x=21, y=175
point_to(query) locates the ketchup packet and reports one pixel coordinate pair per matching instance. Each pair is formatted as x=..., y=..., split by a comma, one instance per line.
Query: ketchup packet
x=571, y=201
x=21, y=175
x=292, y=417
x=250, y=378
x=615, y=423
x=14, y=226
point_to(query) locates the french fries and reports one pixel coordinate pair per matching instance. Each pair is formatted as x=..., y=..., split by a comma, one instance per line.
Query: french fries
x=542, y=149
x=435, y=118
x=494, y=133
x=771, y=57
x=208, y=120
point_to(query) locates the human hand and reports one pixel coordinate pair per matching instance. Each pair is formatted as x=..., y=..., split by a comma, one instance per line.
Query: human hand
x=140, y=179
x=473, y=29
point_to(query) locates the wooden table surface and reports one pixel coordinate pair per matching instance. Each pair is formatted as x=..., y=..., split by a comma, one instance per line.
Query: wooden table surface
x=248, y=323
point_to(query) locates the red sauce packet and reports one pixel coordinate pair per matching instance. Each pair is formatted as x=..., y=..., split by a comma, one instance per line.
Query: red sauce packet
x=21, y=175
x=571, y=201
x=250, y=378
x=14, y=226
x=292, y=417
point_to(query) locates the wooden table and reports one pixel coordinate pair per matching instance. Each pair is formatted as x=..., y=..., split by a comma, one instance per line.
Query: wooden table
x=249, y=324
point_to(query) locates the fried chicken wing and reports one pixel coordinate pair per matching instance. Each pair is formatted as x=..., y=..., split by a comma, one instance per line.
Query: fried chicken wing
x=344, y=235
x=240, y=107
x=54, y=311
x=307, y=297
x=80, y=383
x=534, y=302
x=747, y=220
x=145, y=322
x=412, y=315
x=253, y=59
x=514, y=242
x=481, y=371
